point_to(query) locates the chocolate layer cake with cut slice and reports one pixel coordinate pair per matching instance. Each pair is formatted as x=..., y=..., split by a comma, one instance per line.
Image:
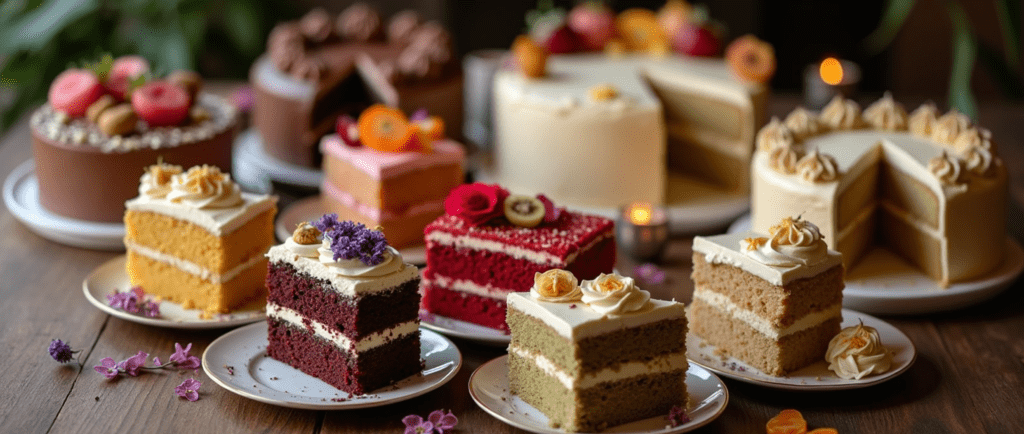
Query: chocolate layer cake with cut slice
x=596, y=356
x=474, y=262
x=343, y=307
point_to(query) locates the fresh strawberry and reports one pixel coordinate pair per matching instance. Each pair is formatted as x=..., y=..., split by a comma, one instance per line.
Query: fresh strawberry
x=594, y=23
x=161, y=103
x=348, y=130
x=122, y=72
x=697, y=41
x=563, y=40
x=74, y=90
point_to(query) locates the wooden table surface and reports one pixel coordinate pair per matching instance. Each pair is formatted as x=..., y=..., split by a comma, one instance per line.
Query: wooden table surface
x=969, y=374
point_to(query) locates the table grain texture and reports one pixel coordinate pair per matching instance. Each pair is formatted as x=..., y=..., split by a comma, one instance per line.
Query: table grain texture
x=968, y=378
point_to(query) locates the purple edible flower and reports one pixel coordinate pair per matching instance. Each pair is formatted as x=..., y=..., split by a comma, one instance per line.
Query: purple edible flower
x=350, y=240
x=416, y=425
x=108, y=368
x=134, y=301
x=677, y=416
x=650, y=273
x=419, y=115
x=188, y=389
x=442, y=421
x=182, y=359
x=132, y=364
x=60, y=351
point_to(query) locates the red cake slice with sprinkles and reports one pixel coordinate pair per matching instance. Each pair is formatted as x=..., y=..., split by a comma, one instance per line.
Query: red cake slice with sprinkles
x=491, y=243
x=343, y=306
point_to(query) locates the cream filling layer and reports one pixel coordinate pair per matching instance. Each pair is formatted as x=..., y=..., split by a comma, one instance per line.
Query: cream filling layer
x=470, y=287
x=666, y=363
x=191, y=267
x=543, y=258
x=369, y=342
x=763, y=326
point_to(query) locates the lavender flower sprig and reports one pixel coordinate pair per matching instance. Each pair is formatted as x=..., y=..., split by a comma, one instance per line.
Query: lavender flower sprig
x=132, y=366
x=62, y=352
x=350, y=240
x=134, y=301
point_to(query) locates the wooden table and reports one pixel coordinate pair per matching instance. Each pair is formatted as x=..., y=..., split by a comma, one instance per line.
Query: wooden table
x=969, y=374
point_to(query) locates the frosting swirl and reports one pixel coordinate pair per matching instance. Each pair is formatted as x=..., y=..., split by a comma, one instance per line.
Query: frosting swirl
x=402, y=25
x=856, y=352
x=614, y=294
x=156, y=182
x=783, y=159
x=359, y=22
x=947, y=168
x=947, y=128
x=979, y=160
x=802, y=123
x=556, y=286
x=886, y=114
x=921, y=120
x=356, y=268
x=974, y=137
x=791, y=243
x=774, y=135
x=816, y=167
x=204, y=187
x=316, y=25
x=841, y=114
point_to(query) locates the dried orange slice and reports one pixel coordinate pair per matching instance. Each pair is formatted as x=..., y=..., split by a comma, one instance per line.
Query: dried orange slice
x=824, y=431
x=787, y=422
x=417, y=140
x=383, y=128
x=640, y=30
x=751, y=59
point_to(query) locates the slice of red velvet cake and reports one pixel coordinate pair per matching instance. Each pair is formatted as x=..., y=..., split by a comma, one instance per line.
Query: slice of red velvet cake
x=343, y=306
x=491, y=243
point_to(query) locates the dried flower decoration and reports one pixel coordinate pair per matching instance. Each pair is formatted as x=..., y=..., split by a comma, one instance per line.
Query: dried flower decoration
x=350, y=240
x=135, y=301
x=61, y=351
x=437, y=422
x=677, y=416
x=755, y=243
x=188, y=389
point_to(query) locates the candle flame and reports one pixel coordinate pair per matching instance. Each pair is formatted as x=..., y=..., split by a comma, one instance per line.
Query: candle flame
x=640, y=213
x=831, y=71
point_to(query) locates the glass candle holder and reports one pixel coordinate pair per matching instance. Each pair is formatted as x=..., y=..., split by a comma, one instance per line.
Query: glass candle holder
x=641, y=230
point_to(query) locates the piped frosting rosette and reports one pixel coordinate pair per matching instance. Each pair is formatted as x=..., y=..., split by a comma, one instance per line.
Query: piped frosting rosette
x=791, y=243
x=856, y=352
x=204, y=187
x=156, y=182
x=612, y=294
x=555, y=286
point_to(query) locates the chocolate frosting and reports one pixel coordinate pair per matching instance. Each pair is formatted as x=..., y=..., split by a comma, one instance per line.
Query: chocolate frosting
x=316, y=25
x=359, y=22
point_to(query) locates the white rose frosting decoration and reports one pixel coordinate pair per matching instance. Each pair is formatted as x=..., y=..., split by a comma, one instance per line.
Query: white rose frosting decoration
x=556, y=286
x=355, y=267
x=841, y=114
x=817, y=168
x=774, y=135
x=204, y=187
x=856, y=352
x=802, y=123
x=156, y=182
x=792, y=242
x=886, y=114
x=613, y=294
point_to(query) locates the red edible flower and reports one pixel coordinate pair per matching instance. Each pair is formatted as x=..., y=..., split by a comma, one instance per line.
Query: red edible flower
x=476, y=203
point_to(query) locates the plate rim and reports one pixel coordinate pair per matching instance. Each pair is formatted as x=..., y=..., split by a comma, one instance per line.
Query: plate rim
x=118, y=263
x=873, y=380
x=327, y=405
x=679, y=429
x=480, y=339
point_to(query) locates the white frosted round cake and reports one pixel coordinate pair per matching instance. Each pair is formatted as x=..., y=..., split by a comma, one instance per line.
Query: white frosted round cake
x=927, y=186
x=601, y=131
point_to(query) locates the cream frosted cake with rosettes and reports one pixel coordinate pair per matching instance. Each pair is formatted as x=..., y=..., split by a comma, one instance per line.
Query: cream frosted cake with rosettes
x=343, y=306
x=925, y=185
x=596, y=355
x=773, y=301
x=194, y=238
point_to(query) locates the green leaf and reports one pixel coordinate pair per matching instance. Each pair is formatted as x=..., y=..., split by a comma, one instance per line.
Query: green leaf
x=1008, y=12
x=34, y=29
x=242, y=25
x=964, y=54
x=896, y=12
x=1009, y=81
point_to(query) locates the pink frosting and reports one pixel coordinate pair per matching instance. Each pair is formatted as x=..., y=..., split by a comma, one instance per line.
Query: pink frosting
x=382, y=165
x=430, y=206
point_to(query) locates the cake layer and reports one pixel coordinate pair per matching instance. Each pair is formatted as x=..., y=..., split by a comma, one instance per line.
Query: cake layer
x=330, y=334
x=486, y=311
x=402, y=229
x=779, y=306
x=736, y=338
x=352, y=316
x=601, y=405
x=216, y=221
x=359, y=374
x=172, y=283
x=191, y=242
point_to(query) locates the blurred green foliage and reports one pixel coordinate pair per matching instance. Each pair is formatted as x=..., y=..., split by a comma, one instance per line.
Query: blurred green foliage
x=39, y=39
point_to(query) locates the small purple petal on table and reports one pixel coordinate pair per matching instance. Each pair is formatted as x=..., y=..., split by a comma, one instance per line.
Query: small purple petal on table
x=60, y=351
x=108, y=368
x=188, y=389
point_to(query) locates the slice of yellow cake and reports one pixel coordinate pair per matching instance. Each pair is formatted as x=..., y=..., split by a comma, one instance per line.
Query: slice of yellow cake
x=195, y=239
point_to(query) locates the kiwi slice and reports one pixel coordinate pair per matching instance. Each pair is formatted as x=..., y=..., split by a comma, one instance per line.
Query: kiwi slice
x=524, y=211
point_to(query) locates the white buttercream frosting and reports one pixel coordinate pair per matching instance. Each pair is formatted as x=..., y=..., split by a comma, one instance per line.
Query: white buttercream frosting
x=792, y=242
x=922, y=120
x=784, y=158
x=856, y=352
x=307, y=250
x=614, y=294
x=886, y=114
x=353, y=347
x=156, y=182
x=948, y=127
x=658, y=365
x=351, y=286
x=556, y=286
x=204, y=187
x=816, y=167
x=580, y=321
x=980, y=161
x=355, y=267
x=727, y=249
x=947, y=168
x=974, y=137
x=217, y=221
x=841, y=114
x=802, y=123
x=774, y=135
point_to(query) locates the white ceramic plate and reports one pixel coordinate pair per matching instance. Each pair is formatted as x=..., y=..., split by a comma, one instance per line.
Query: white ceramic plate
x=238, y=362
x=111, y=276
x=885, y=284
x=814, y=377
x=254, y=169
x=21, y=196
x=311, y=208
x=464, y=330
x=489, y=388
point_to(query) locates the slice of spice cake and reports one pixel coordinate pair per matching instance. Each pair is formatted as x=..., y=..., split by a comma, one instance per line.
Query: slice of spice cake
x=491, y=243
x=343, y=306
x=772, y=301
x=596, y=356
x=195, y=239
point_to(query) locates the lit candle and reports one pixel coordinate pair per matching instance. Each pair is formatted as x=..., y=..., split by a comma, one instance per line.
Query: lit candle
x=831, y=77
x=642, y=230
